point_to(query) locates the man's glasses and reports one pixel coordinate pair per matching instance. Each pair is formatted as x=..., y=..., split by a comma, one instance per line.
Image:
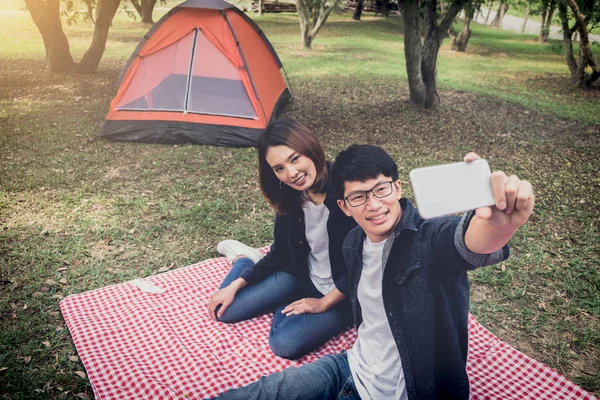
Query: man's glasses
x=360, y=197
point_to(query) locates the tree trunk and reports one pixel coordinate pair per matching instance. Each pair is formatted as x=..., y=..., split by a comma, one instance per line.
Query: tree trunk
x=358, y=10
x=547, y=15
x=413, y=52
x=586, y=57
x=46, y=16
x=527, y=11
x=91, y=58
x=429, y=72
x=462, y=39
x=304, y=18
x=312, y=16
x=487, y=17
x=568, y=42
x=90, y=11
x=137, y=6
x=421, y=57
x=502, y=8
x=260, y=7
x=543, y=36
x=147, y=10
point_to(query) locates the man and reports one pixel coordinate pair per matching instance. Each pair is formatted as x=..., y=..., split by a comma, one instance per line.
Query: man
x=408, y=288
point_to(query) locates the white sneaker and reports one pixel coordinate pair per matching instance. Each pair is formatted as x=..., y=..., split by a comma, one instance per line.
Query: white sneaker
x=233, y=248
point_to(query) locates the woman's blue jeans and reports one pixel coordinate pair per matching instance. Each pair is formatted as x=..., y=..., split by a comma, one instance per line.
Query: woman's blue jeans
x=327, y=378
x=290, y=337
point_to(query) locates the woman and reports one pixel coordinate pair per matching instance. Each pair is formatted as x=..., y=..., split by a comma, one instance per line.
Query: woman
x=302, y=278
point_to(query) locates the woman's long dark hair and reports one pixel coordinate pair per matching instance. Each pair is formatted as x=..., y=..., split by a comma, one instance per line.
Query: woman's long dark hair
x=290, y=133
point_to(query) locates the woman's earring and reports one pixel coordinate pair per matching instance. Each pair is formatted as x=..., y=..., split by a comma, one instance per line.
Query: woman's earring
x=280, y=185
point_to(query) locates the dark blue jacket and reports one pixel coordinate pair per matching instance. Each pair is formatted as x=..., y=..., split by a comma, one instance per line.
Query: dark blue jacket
x=426, y=298
x=290, y=250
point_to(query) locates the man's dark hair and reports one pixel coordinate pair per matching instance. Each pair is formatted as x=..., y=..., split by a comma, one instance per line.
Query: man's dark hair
x=359, y=163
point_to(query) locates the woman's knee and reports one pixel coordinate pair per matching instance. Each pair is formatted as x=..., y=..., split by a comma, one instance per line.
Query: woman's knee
x=285, y=346
x=229, y=316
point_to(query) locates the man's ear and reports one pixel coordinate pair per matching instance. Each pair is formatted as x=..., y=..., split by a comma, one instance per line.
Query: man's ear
x=398, y=185
x=342, y=205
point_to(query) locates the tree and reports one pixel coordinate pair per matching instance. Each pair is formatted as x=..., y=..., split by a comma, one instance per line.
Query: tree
x=312, y=15
x=358, y=10
x=548, y=7
x=145, y=8
x=421, y=54
x=527, y=12
x=502, y=9
x=460, y=41
x=584, y=72
x=46, y=16
x=487, y=17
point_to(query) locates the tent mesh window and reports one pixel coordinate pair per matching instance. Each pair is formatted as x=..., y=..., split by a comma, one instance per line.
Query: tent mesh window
x=191, y=75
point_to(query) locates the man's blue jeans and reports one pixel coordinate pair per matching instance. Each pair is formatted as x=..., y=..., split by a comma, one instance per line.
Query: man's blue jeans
x=327, y=378
x=290, y=337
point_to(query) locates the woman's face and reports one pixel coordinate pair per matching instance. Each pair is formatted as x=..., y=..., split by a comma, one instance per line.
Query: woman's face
x=292, y=168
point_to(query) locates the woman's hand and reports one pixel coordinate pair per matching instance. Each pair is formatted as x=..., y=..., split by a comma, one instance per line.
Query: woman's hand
x=223, y=297
x=307, y=305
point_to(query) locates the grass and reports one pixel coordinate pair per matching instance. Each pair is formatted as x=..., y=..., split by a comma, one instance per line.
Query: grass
x=76, y=215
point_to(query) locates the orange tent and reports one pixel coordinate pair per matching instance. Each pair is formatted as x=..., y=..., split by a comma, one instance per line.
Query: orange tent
x=205, y=74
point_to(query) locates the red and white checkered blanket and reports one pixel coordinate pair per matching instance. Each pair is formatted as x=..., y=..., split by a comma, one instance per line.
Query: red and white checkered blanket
x=139, y=345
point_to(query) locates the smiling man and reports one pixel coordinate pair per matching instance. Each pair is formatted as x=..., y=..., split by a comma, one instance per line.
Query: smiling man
x=408, y=288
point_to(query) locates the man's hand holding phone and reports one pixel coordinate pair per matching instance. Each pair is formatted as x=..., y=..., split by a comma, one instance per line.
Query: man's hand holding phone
x=450, y=188
x=502, y=203
x=513, y=200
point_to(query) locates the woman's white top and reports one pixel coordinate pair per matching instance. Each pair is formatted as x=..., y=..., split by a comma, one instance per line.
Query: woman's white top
x=374, y=359
x=315, y=218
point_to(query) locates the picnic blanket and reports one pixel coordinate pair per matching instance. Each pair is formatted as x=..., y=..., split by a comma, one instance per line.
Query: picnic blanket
x=153, y=339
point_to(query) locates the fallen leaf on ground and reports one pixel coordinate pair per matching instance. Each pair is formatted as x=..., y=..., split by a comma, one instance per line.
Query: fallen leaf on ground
x=83, y=396
x=73, y=358
x=27, y=360
x=46, y=343
x=81, y=374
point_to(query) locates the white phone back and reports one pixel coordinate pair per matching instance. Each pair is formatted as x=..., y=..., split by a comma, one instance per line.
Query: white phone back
x=451, y=188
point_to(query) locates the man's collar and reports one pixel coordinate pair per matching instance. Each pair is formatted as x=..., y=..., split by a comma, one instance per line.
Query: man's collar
x=407, y=221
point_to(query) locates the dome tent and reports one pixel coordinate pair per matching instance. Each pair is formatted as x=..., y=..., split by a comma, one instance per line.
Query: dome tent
x=204, y=74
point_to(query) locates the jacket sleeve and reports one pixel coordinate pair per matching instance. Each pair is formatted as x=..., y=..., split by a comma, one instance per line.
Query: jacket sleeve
x=449, y=240
x=275, y=258
x=338, y=227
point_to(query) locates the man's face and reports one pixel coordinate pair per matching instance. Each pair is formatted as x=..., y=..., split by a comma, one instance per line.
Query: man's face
x=379, y=215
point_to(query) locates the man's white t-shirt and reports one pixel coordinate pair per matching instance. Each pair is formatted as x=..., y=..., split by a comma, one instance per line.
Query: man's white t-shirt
x=374, y=359
x=315, y=217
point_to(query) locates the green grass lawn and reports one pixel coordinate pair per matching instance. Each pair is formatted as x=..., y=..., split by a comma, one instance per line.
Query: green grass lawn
x=76, y=215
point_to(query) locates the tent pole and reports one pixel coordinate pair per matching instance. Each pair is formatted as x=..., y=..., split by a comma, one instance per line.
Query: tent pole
x=237, y=43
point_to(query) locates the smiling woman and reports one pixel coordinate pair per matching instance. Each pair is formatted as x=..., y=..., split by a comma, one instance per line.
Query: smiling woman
x=288, y=154
x=302, y=279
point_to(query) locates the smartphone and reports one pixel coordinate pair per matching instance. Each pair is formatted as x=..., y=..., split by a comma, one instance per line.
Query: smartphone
x=451, y=188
